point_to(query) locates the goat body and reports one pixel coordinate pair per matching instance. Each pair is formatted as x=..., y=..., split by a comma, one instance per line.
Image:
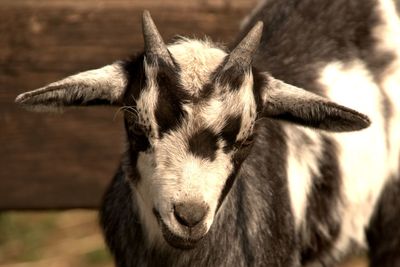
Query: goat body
x=230, y=163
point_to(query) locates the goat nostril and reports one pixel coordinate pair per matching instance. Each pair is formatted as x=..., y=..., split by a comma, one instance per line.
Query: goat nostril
x=190, y=214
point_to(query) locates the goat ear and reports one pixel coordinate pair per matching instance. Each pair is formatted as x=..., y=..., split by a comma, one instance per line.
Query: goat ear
x=105, y=85
x=286, y=102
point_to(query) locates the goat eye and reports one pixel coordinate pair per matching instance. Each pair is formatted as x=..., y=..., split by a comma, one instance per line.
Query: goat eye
x=136, y=129
x=249, y=140
x=245, y=143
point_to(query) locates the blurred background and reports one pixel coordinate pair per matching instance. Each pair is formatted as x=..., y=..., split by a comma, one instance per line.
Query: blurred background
x=54, y=169
x=52, y=239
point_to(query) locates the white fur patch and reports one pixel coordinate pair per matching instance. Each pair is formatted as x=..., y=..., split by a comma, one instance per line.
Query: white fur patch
x=302, y=166
x=366, y=162
x=247, y=108
x=197, y=60
x=147, y=102
x=362, y=155
x=389, y=35
x=146, y=168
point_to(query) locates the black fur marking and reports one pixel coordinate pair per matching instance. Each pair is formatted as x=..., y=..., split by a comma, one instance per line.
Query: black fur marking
x=239, y=156
x=117, y=231
x=205, y=93
x=204, y=144
x=137, y=137
x=209, y=87
x=242, y=151
x=137, y=79
x=137, y=143
x=232, y=78
x=230, y=131
x=383, y=233
x=322, y=224
x=169, y=111
x=227, y=187
x=242, y=219
x=273, y=191
x=261, y=184
x=300, y=36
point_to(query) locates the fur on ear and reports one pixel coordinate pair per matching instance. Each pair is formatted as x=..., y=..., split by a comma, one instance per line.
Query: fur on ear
x=105, y=85
x=287, y=102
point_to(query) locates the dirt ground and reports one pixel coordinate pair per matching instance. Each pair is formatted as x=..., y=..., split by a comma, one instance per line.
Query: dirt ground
x=52, y=239
x=60, y=239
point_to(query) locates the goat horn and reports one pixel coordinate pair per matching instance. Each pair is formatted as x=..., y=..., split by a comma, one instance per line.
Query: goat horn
x=153, y=42
x=243, y=53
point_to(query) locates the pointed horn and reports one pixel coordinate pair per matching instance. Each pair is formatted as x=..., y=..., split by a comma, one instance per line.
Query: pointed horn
x=243, y=53
x=153, y=42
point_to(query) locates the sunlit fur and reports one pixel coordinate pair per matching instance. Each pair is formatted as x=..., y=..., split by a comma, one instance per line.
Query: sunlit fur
x=175, y=175
x=368, y=159
x=303, y=196
x=361, y=185
x=377, y=153
x=302, y=166
x=109, y=81
x=389, y=36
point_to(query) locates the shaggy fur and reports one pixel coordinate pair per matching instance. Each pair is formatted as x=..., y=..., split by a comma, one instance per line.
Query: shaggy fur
x=259, y=156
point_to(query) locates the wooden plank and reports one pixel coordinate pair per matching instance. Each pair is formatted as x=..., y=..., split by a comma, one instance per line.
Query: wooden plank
x=65, y=161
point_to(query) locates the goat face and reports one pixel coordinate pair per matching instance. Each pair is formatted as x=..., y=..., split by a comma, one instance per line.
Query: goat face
x=190, y=110
x=197, y=127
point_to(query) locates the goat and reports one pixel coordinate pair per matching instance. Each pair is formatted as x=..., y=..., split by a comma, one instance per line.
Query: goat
x=244, y=158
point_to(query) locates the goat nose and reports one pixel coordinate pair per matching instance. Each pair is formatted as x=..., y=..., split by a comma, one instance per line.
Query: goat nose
x=190, y=214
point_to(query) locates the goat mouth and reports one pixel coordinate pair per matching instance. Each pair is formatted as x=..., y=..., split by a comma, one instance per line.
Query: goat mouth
x=175, y=241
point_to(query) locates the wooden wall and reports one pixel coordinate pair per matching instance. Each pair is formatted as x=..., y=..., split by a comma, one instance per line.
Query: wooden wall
x=66, y=160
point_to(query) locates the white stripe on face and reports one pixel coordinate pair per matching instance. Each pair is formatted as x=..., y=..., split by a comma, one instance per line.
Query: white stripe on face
x=170, y=172
x=232, y=103
x=197, y=61
x=147, y=102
